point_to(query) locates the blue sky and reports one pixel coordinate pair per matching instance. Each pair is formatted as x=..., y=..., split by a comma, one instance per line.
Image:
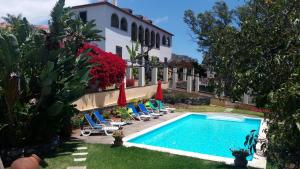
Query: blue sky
x=168, y=14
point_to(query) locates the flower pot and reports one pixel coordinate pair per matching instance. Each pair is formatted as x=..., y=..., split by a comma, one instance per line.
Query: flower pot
x=118, y=141
x=240, y=161
x=32, y=162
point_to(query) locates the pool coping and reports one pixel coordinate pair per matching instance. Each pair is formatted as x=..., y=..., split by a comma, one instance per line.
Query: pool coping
x=257, y=161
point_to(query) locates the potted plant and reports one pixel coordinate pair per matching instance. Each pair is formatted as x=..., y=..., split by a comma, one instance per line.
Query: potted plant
x=118, y=136
x=250, y=148
x=240, y=157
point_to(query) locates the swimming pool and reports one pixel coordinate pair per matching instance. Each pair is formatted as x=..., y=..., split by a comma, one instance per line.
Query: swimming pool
x=209, y=135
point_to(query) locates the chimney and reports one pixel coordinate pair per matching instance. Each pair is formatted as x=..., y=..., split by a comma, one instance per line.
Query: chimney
x=115, y=2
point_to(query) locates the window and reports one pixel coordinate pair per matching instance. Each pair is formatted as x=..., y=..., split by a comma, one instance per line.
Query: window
x=115, y=20
x=165, y=60
x=147, y=37
x=83, y=16
x=124, y=24
x=152, y=39
x=169, y=41
x=141, y=35
x=157, y=40
x=119, y=51
x=133, y=32
x=164, y=40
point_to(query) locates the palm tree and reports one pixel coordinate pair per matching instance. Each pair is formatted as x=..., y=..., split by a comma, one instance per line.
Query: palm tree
x=12, y=19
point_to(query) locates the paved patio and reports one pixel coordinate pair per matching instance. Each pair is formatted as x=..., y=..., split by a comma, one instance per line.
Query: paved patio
x=136, y=126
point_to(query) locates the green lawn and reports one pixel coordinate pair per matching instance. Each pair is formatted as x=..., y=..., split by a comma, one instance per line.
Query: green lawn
x=105, y=157
x=212, y=108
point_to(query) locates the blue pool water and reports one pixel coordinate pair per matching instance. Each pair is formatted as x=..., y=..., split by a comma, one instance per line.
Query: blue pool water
x=205, y=134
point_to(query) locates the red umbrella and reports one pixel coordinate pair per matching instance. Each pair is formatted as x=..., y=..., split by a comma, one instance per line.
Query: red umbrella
x=122, y=96
x=159, y=93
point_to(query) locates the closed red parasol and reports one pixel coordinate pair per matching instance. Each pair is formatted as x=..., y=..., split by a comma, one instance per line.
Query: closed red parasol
x=159, y=93
x=122, y=96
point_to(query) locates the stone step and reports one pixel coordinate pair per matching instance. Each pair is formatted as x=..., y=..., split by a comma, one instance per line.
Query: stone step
x=80, y=154
x=79, y=159
x=81, y=148
x=77, y=167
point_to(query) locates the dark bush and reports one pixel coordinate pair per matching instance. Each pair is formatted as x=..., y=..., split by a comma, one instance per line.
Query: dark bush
x=174, y=97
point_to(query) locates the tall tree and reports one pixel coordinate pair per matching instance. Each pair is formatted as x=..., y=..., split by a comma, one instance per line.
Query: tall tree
x=258, y=50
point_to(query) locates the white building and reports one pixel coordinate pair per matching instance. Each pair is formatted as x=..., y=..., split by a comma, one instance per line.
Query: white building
x=121, y=27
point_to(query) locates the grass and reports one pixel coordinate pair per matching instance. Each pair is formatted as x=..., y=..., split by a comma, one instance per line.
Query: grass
x=103, y=156
x=106, y=157
x=213, y=108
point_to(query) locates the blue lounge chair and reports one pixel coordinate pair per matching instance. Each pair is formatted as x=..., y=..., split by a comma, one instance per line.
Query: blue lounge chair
x=138, y=115
x=96, y=128
x=107, y=123
x=147, y=112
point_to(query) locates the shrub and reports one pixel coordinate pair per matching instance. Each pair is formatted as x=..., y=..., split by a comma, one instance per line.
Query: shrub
x=174, y=97
x=39, y=78
x=108, y=69
x=107, y=115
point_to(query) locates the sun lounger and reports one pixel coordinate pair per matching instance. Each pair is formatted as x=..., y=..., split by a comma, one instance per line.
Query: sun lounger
x=163, y=107
x=96, y=128
x=151, y=105
x=138, y=115
x=147, y=112
x=106, y=122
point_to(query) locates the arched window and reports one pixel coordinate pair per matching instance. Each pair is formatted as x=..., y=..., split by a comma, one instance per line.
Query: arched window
x=169, y=41
x=124, y=24
x=147, y=37
x=164, y=40
x=133, y=32
x=141, y=35
x=115, y=20
x=152, y=39
x=157, y=40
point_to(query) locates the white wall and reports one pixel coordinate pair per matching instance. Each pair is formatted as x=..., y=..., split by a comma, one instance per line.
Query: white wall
x=95, y=13
x=117, y=37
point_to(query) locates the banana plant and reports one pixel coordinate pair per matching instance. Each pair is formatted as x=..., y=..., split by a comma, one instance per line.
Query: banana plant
x=133, y=52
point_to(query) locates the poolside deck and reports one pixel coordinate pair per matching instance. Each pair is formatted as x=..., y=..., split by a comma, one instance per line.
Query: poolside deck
x=135, y=127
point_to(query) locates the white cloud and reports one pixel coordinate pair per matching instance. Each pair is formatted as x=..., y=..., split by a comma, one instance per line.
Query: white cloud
x=36, y=11
x=160, y=20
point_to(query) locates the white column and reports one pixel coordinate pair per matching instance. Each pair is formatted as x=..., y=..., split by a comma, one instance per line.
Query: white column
x=246, y=98
x=184, y=74
x=154, y=75
x=189, y=84
x=193, y=73
x=222, y=94
x=174, y=78
x=197, y=83
x=124, y=80
x=141, y=76
x=166, y=74
x=129, y=73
